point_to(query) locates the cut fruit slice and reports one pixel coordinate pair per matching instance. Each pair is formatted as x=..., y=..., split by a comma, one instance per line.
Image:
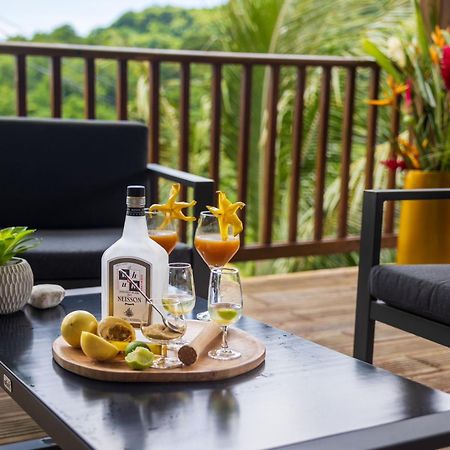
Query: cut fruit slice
x=116, y=329
x=227, y=216
x=96, y=347
x=132, y=346
x=140, y=358
x=227, y=314
x=172, y=209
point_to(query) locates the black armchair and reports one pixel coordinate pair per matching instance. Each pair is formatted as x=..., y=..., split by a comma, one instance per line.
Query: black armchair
x=413, y=298
x=68, y=178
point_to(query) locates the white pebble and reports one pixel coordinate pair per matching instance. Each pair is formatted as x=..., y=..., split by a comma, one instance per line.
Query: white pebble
x=44, y=296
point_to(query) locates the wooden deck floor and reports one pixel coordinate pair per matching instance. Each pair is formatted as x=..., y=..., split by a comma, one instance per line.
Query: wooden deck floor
x=316, y=305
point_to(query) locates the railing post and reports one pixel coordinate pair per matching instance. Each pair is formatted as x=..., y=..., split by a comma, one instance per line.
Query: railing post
x=244, y=140
x=346, y=159
x=56, y=87
x=216, y=101
x=21, y=85
x=321, y=158
x=122, y=89
x=296, y=153
x=89, y=88
x=269, y=155
x=153, y=117
x=372, y=114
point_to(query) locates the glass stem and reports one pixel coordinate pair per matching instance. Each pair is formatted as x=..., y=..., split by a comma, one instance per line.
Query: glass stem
x=224, y=338
x=164, y=350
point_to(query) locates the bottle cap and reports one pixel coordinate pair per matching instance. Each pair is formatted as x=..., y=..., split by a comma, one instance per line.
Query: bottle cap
x=136, y=191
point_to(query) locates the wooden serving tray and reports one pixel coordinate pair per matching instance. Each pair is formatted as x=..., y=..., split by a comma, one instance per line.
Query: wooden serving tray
x=205, y=369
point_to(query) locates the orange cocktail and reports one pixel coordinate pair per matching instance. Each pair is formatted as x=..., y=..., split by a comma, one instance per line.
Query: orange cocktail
x=167, y=239
x=215, y=251
x=161, y=230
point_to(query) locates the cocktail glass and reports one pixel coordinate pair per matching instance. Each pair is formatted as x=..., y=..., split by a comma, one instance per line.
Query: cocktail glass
x=215, y=251
x=225, y=304
x=161, y=230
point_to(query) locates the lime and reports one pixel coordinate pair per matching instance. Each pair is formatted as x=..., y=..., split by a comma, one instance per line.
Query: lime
x=132, y=346
x=140, y=358
x=227, y=314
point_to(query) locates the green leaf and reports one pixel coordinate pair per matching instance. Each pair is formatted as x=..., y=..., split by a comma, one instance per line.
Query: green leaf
x=372, y=50
x=15, y=240
x=422, y=34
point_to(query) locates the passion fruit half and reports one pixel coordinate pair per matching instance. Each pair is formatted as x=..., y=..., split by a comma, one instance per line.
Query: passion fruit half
x=115, y=329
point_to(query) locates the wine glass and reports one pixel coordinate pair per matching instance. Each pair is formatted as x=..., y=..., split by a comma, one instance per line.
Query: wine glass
x=215, y=251
x=225, y=305
x=161, y=230
x=157, y=333
x=181, y=288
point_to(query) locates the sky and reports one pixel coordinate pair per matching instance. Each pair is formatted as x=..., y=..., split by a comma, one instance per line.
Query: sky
x=28, y=16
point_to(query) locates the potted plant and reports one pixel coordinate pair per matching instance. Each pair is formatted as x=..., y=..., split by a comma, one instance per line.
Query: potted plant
x=418, y=78
x=16, y=277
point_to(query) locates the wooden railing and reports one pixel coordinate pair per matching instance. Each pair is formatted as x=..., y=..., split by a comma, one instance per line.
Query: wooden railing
x=265, y=248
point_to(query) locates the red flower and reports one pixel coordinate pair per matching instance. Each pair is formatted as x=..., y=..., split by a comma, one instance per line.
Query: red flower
x=408, y=94
x=445, y=66
x=394, y=164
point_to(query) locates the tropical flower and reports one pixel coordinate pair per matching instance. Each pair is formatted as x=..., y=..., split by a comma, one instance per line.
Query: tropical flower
x=418, y=71
x=445, y=66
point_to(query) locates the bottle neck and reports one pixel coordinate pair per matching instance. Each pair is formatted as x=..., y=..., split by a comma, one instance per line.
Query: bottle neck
x=135, y=223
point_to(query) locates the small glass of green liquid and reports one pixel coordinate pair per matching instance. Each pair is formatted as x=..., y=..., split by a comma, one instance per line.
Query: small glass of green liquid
x=225, y=304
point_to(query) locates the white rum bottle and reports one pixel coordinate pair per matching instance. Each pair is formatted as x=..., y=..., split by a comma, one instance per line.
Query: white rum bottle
x=141, y=258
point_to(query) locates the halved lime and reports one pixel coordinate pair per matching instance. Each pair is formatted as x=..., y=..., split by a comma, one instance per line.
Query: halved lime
x=132, y=346
x=227, y=313
x=140, y=358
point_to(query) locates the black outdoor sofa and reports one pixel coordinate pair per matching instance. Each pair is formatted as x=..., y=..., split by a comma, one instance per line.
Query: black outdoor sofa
x=67, y=179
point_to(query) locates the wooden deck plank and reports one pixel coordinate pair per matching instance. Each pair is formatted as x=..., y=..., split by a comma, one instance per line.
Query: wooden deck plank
x=318, y=305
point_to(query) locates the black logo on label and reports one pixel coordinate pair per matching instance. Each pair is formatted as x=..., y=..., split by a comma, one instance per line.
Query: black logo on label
x=134, y=286
x=129, y=312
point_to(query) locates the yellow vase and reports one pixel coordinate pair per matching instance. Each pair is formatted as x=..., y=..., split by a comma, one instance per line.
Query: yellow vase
x=424, y=228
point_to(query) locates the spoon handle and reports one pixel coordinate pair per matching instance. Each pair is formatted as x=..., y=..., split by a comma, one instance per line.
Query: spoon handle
x=141, y=292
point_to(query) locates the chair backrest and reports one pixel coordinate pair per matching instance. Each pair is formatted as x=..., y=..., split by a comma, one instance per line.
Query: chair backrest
x=57, y=173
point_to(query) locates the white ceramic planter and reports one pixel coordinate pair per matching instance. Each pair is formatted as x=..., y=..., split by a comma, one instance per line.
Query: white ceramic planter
x=16, y=282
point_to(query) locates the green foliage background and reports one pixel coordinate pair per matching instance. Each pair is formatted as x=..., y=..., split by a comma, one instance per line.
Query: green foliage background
x=336, y=27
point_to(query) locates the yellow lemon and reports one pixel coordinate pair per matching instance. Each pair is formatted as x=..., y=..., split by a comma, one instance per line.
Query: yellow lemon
x=74, y=324
x=96, y=347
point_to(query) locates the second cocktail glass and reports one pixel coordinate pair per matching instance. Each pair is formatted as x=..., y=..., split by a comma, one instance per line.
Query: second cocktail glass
x=162, y=230
x=215, y=251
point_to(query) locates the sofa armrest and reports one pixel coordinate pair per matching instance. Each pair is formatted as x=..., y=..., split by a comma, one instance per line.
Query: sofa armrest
x=372, y=220
x=203, y=187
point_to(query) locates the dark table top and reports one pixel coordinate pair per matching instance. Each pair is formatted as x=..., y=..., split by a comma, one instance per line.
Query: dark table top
x=303, y=393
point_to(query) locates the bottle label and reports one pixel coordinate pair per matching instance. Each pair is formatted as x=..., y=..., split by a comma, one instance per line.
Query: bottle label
x=135, y=211
x=125, y=300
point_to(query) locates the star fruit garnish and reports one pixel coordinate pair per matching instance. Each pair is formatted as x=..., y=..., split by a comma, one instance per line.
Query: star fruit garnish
x=226, y=214
x=173, y=209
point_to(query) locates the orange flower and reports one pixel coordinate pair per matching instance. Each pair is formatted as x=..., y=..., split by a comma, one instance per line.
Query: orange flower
x=396, y=90
x=410, y=152
x=434, y=56
x=438, y=37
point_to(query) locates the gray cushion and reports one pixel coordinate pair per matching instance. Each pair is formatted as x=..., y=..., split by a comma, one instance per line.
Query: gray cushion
x=76, y=254
x=421, y=289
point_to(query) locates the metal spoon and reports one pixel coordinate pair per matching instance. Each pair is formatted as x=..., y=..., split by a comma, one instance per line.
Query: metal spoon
x=167, y=323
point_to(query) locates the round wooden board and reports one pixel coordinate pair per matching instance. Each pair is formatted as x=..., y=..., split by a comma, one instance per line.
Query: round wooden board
x=205, y=369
